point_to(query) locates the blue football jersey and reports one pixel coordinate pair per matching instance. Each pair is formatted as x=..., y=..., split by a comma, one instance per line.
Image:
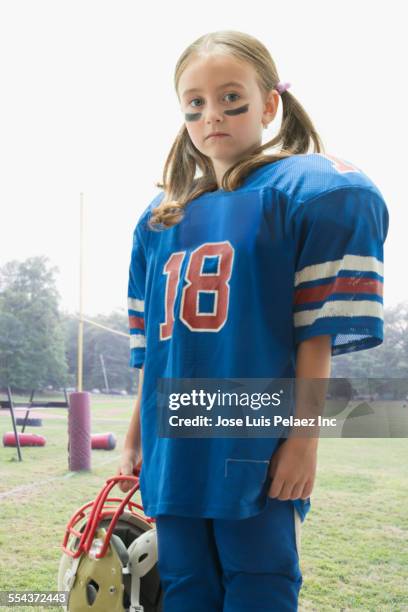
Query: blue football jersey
x=295, y=252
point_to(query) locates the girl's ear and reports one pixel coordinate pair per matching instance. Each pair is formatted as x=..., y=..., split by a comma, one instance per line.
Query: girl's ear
x=270, y=106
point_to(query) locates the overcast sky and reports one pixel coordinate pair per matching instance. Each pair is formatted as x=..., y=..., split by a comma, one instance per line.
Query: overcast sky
x=88, y=105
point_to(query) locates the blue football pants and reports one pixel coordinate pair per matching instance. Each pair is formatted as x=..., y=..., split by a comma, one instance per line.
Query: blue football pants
x=241, y=565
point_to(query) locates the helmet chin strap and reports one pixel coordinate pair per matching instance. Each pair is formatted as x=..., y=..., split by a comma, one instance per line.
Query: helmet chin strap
x=142, y=558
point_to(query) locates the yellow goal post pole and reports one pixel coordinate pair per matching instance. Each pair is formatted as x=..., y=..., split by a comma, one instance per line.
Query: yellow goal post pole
x=81, y=294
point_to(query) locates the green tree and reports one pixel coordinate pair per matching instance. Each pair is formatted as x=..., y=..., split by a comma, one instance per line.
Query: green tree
x=32, y=346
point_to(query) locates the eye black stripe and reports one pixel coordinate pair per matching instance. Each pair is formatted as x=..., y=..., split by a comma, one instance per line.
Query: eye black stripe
x=237, y=111
x=193, y=116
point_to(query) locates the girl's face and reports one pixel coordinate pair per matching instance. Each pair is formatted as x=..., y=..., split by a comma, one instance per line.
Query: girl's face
x=218, y=93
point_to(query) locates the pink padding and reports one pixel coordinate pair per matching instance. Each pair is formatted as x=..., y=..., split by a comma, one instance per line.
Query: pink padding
x=79, y=431
x=25, y=439
x=105, y=441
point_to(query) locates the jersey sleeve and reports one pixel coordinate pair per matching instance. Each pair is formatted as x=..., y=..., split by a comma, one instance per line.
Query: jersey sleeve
x=338, y=281
x=136, y=301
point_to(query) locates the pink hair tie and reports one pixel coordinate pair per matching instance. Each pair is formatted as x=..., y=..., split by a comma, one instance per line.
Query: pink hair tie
x=281, y=87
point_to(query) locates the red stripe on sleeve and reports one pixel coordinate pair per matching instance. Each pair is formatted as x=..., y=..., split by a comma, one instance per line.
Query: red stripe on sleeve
x=136, y=322
x=342, y=284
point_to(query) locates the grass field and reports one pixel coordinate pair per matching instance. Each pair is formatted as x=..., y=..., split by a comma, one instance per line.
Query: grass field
x=354, y=541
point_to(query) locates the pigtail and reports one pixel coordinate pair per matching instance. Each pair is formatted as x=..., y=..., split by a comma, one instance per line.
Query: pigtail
x=179, y=183
x=297, y=130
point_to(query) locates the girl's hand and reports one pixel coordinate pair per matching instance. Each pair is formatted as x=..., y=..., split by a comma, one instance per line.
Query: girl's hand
x=130, y=461
x=293, y=469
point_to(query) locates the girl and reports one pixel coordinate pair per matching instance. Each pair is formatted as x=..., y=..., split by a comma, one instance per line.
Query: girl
x=259, y=266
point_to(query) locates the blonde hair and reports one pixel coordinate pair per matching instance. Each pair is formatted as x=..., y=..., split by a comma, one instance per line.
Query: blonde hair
x=296, y=134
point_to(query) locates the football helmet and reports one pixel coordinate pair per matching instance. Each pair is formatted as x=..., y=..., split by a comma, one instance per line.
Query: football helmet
x=109, y=561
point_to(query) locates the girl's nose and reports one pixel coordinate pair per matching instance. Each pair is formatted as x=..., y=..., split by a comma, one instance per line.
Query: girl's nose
x=213, y=113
